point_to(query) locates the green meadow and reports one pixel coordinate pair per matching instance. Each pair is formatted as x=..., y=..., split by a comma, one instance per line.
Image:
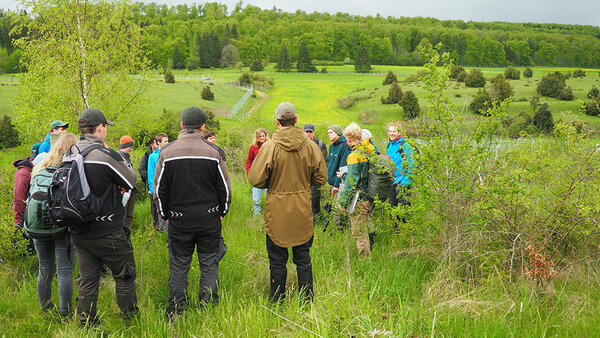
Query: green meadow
x=404, y=289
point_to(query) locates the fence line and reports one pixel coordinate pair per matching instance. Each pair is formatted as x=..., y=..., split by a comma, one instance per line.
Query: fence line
x=236, y=107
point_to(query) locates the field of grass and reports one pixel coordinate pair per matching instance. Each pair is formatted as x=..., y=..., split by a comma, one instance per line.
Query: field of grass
x=402, y=290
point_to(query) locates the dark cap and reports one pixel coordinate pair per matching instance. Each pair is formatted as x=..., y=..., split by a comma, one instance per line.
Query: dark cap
x=92, y=117
x=193, y=116
x=309, y=127
x=285, y=111
x=57, y=124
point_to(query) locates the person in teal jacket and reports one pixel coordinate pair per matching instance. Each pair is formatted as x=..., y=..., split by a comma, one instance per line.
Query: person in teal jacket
x=402, y=154
x=336, y=163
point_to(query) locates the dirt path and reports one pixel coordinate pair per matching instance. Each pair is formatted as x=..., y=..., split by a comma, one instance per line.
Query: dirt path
x=264, y=98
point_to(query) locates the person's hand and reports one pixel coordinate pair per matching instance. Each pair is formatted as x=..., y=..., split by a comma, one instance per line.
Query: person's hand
x=122, y=190
x=335, y=190
x=339, y=174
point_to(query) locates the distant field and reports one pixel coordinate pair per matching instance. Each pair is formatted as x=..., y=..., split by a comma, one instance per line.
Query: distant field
x=315, y=95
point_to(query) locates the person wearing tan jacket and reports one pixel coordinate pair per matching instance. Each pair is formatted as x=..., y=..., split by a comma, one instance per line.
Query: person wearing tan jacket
x=287, y=165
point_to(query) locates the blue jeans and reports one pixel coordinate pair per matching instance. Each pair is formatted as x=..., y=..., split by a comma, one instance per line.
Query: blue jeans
x=256, y=196
x=65, y=254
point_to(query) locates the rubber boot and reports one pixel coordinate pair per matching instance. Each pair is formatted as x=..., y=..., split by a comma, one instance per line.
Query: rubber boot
x=277, y=293
x=305, y=281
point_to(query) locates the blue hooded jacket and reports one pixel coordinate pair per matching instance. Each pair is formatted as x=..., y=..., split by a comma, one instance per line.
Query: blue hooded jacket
x=400, y=151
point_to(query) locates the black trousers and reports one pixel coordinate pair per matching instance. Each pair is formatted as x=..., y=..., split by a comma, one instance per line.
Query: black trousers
x=181, y=249
x=278, y=257
x=315, y=196
x=116, y=252
x=400, y=196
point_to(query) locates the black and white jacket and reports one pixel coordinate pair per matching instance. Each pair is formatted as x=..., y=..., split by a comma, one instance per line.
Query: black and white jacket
x=106, y=172
x=191, y=184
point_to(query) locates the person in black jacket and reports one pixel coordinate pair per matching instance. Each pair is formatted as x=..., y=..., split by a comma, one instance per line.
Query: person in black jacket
x=315, y=190
x=193, y=194
x=143, y=165
x=106, y=242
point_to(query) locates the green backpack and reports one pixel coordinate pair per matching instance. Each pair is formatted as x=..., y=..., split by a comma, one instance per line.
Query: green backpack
x=38, y=224
x=381, y=177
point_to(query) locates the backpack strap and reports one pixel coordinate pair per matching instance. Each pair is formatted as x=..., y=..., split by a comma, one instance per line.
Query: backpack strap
x=89, y=148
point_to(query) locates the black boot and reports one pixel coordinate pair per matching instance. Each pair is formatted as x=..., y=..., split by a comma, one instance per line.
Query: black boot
x=305, y=281
x=277, y=293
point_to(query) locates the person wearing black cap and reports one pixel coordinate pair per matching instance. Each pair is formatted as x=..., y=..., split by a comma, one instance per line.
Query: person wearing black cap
x=315, y=190
x=193, y=193
x=106, y=242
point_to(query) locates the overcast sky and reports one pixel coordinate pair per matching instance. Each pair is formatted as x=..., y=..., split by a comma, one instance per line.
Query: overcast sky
x=582, y=12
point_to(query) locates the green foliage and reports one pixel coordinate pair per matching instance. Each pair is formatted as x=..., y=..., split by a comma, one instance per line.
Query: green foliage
x=177, y=61
x=543, y=118
x=591, y=107
x=566, y=94
x=390, y=78
x=74, y=66
x=169, y=77
x=579, y=73
x=455, y=70
x=527, y=72
x=462, y=76
x=362, y=63
x=410, y=104
x=207, y=94
x=394, y=95
x=245, y=79
x=229, y=56
x=284, y=63
x=475, y=78
x=593, y=93
x=304, y=63
x=10, y=135
x=501, y=88
x=551, y=85
x=481, y=103
x=512, y=73
x=324, y=70
x=256, y=65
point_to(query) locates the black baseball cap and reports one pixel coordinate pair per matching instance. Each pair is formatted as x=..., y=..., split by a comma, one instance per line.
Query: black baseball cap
x=93, y=117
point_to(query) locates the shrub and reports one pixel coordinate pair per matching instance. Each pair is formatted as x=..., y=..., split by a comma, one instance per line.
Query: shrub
x=245, y=79
x=551, y=84
x=481, y=102
x=543, y=118
x=579, y=73
x=349, y=101
x=256, y=65
x=461, y=76
x=455, y=70
x=410, y=104
x=475, y=79
x=169, y=77
x=207, y=94
x=368, y=117
x=527, y=72
x=394, y=95
x=593, y=93
x=347, y=61
x=389, y=78
x=512, y=73
x=501, y=88
x=10, y=135
x=566, y=94
x=324, y=70
x=591, y=107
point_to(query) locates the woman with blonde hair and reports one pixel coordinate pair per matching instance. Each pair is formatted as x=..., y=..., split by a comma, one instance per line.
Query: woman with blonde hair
x=259, y=138
x=58, y=250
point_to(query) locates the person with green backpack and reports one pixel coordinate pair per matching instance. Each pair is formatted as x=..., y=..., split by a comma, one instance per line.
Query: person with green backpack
x=52, y=243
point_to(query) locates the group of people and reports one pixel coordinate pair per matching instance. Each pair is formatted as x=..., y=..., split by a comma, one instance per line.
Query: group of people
x=190, y=190
x=293, y=165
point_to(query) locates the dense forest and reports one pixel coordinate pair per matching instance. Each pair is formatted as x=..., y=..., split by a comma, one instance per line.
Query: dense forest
x=198, y=36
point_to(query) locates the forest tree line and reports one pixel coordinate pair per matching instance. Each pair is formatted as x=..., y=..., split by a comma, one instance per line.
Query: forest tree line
x=196, y=36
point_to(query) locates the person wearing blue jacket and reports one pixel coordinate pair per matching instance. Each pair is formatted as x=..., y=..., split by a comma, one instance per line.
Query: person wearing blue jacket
x=402, y=154
x=161, y=141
